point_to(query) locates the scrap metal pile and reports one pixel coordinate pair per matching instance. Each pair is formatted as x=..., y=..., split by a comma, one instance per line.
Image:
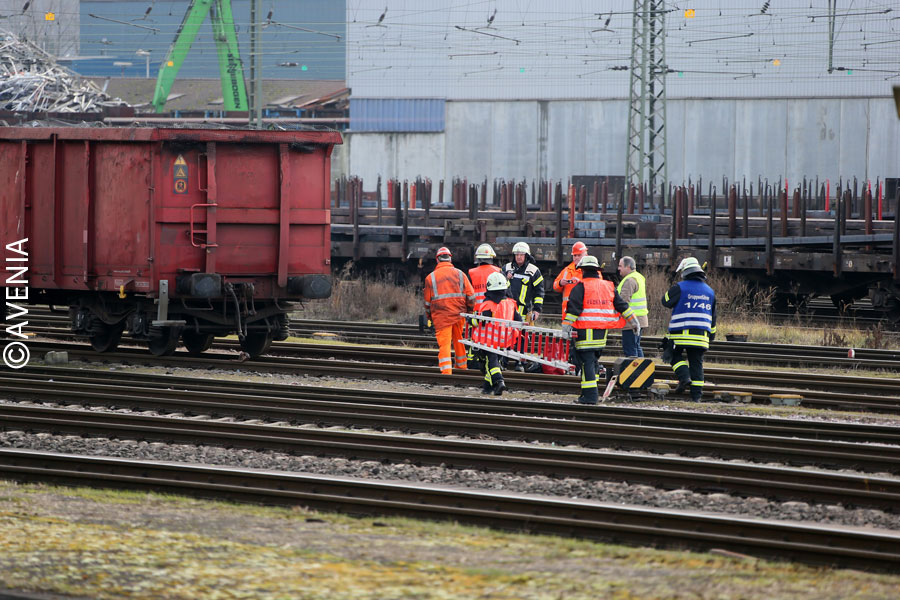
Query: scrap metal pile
x=30, y=80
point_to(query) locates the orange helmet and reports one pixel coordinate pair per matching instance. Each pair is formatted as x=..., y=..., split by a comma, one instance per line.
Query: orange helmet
x=579, y=249
x=443, y=251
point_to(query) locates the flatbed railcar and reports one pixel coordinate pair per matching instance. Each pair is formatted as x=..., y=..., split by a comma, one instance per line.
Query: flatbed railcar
x=170, y=234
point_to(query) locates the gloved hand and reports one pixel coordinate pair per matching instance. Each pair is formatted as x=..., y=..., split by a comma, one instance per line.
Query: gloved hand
x=430, y=324
x=566, y=281
x=637, y=329
x=534, y=315
x=567, y=329
x=712, y=337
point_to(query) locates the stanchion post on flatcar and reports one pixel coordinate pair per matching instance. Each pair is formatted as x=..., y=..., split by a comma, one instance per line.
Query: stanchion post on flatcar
x=896, y=259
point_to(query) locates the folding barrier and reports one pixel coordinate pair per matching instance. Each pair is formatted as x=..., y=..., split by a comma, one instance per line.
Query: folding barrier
x=518, y=341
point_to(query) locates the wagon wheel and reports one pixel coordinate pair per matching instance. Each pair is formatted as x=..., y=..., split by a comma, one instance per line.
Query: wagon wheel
x=196, y=343
x=108, y=339
x=256, y=344
x=163, y=340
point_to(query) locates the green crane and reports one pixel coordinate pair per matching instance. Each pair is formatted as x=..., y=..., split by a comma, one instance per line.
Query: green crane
x=234, y=91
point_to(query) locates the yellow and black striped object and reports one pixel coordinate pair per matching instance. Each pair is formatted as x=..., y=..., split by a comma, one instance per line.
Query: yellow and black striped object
x=634, y=373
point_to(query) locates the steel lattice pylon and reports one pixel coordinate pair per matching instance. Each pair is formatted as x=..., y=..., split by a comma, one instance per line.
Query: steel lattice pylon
x=646, y=153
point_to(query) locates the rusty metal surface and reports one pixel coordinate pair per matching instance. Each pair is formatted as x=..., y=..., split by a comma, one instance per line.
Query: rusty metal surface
x=105, y=208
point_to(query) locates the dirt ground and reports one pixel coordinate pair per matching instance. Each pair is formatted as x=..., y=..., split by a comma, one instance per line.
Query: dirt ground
x=104, y=544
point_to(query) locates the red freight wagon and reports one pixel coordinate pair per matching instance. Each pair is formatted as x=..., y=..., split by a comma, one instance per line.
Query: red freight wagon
x=170, y=233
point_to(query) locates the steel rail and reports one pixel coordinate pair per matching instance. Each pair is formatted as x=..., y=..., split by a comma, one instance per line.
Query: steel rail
x=721, y=351
x=410, y=351
x=821, y=430
x=818, y=544
x=883, y=394
x=777, y=483
x=325, y=412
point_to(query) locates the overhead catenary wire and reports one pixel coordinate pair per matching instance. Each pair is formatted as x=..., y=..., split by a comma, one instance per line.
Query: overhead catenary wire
x=552, y=40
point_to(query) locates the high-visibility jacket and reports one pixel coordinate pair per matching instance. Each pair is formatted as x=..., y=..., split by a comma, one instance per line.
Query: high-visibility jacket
x=448, y=292
x=638, y=300
x=693, y=305
x=497, y=335
x=478, y=276
x=598, y=311
x=526, y=285
x=572, y=274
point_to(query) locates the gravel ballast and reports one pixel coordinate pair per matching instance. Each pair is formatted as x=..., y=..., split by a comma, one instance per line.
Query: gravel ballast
x=603, y=491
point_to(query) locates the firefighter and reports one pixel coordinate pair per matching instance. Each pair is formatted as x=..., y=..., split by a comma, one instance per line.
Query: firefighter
x=526, y=287
x=478, y=275
x=570, y=275
x=526, y=284
x=692, y=325
x=499, y=305
x=594, y=308
x=633, y=289
x=448, y=293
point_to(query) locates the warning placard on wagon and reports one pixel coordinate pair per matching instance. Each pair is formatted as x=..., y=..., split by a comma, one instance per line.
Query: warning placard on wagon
x=180, y=176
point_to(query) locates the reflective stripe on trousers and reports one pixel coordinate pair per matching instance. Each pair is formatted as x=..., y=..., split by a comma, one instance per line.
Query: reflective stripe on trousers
x=448, y=337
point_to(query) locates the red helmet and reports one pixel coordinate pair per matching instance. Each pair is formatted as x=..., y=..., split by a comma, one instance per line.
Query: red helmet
x=443, y=251
x=578, y=248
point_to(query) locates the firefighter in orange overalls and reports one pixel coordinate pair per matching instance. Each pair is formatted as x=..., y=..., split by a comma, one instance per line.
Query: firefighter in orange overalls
x=448, y=293
x=569, y=276
x=594, y=308
x=499, y=305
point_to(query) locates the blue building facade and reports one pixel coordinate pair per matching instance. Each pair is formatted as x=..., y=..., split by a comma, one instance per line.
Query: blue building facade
x=301, y=39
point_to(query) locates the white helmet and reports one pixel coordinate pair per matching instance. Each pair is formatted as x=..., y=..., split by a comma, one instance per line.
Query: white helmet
x=689, y=265
x=485, y=252
x=496, y=281
x=521, y=248
x=588, y=261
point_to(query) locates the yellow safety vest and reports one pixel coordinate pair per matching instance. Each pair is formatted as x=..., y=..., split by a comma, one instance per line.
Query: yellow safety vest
x=638, y=301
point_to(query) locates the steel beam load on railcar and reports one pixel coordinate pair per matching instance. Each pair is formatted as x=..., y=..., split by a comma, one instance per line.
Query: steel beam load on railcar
x=170, y=234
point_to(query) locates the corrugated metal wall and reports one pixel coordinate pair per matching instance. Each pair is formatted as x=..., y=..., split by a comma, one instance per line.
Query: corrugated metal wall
x=792, y=138
x=572, y=49
x=397, y=115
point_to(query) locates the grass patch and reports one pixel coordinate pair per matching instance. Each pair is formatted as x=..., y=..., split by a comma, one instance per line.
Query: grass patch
x=366, y=299
x=172, y=547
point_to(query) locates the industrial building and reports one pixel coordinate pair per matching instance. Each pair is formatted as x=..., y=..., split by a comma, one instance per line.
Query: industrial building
x=515, y=90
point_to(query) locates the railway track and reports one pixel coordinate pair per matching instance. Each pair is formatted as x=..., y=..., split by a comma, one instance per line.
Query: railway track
x=627, y=415
x=818, y=391
x=817, y=312
x=776, y=483
x=817, y=544
x=56, y=326
x=418, y=413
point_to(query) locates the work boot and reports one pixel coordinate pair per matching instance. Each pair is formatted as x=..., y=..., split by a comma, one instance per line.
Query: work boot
x=533, y=367
x=486, y=388
x=585, y=400
x=696, y=397
x=499, y=387
x=681, y=387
